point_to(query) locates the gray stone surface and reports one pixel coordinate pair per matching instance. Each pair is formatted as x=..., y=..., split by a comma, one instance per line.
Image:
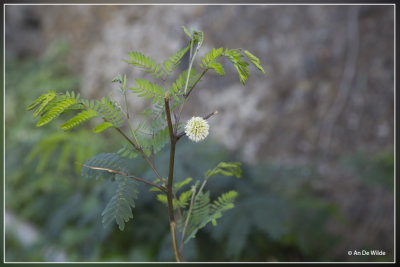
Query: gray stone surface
x=313, y=100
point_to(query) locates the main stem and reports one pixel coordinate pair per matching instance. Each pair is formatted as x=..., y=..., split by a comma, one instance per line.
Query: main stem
x=170, y=194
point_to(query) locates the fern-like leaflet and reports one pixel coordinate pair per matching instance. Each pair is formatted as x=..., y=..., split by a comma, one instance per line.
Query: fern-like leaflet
x=255, y=60
x=209, y=61
x=42, y=101
x=171, y=63
x=236, y=58
x=145, y=63
x=103, y=161
x=120, y=206
x=155, y=141
x=198, y=37
x=177, y=87
x=51, y=105
x=205, y=212
x=148, y=89
x=199, y=215
x=227, y=169
x=102, y=127
x=79, y=118
x=184, y=197
x=110, y=111
x=115, y=168
x=55, y=111
x=180, y=202
x=223, y=203
x=201, y=211
x=149, y=142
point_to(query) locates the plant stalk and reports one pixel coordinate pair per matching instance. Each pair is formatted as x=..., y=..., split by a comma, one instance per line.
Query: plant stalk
x=187, y=218
x=185, y=96
x=127, y=175
x=170, y=195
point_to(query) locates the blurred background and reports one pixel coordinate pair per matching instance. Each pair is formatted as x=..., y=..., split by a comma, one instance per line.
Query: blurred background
x=315, y=134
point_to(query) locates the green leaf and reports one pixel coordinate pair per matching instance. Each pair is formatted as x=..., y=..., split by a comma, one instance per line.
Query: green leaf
x=120, y=206
x=254, y=60
x=124, y=83
x=181, y=202
x=155, y=189
x=54, y=112
x=43, y=100
x=203, y=212
x=177, y=88
x=187, y=32
x=240, y=65
x=117, y=78
x=110, y=111
x=111, y=161
x=224, y=202
x=103, y=126
x=144, y=63
x=78, y=119
x=217, y=67
x=159, y=140
x=227, y=169
x=148, y=89
x=170, y=64
x=65, y=154
x=184, y=198
x=200, y=215
x=163, y=199
x=179, y=185
x=211, y=56
x=198, y=38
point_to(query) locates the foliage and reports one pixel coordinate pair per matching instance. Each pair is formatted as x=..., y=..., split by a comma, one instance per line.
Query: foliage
x=63, y=146
x=119, y=207
x=149, y=139
x=123, y=200
x=51, y=106
x=148, y=89
x=107, y=161
x=201, y=211
x=41, y=183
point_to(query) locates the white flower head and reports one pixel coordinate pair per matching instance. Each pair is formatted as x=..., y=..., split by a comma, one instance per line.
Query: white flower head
x=197, y=129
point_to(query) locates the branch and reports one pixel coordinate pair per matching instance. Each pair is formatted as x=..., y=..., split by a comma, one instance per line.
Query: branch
x=125, y=174
x=127, y=138
x=168, y=112
x=138, y=148
x=187, y=218
x=211, y=114
x=186, y=95
x=194, y=85
x=195, y=195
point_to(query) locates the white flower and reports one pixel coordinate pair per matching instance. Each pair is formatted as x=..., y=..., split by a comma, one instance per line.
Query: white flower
x=197, y=129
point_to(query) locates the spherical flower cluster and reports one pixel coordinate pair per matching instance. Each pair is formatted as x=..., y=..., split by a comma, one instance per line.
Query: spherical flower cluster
x=197, y=129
